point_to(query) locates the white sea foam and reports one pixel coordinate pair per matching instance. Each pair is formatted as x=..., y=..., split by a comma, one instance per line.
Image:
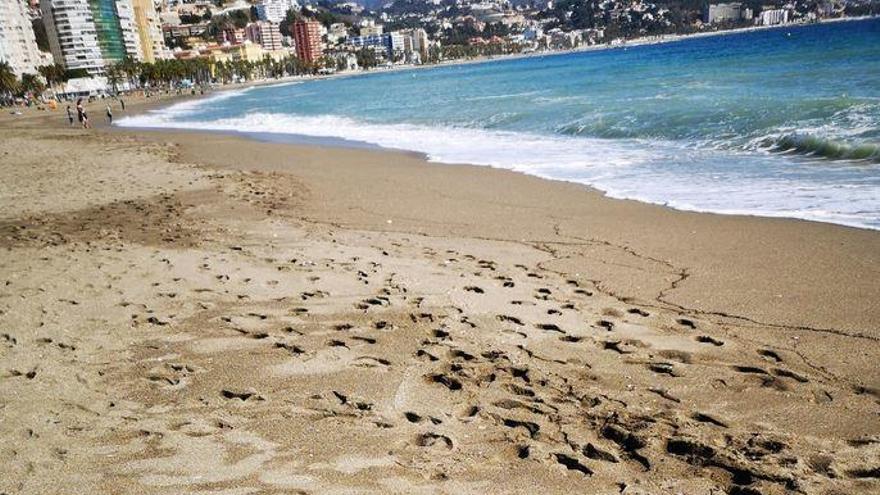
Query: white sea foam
x=650, y=171
x=173, y=113
x=443, y=144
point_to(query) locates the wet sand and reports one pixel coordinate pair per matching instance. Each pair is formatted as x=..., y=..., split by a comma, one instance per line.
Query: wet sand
x=197, y=313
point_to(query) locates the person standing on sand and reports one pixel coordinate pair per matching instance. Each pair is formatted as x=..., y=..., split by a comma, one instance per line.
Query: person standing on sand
x=109, y=115
x=69, y=116
x=80, y=112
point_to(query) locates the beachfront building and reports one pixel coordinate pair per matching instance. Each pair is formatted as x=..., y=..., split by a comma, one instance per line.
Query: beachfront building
x=245, y=52
x=18, y=45
x=307, y=37
x=415, y=45
x=727, y=12
x=378, y=43
x=388, y=45
x=248, y=52
x=770, y=16
x=91, y=34
x=396, y=44
x=117, y=31
x=149, y=30
x=275, y=10
x=73, y=38
x=265, y=34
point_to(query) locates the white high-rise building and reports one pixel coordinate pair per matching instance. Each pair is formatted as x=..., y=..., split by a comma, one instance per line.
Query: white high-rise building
x=149, y=29
x=275, y=10
x=18, y=46
x=265, y=34
x=771, y=16
x=128, y=25
x=723, y=12
x=420, y=43
x=91, y=34
x=73, y=39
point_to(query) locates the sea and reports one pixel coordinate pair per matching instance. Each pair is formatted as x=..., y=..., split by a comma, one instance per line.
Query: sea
x=776, y=122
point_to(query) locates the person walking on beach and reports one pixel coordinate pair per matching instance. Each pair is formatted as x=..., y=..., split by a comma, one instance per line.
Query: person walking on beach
x=109, y=115
x=69, y=116
x=80, y=112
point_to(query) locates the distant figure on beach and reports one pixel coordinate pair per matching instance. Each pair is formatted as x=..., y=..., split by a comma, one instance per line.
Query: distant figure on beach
x=80, y=112
x=109, y=115
x=69, y=116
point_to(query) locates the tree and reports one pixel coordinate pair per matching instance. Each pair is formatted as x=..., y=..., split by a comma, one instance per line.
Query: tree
x=239, y=18
x=327, y=18
x=366, y=58
x=114, y=75
x=53, y=74
x=31, y=83
x=129, y=68
x=8, y=81
x=291, y=16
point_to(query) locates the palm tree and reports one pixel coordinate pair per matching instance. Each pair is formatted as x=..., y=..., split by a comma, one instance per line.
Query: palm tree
x=114, y=75
x=53, y=73
x=31, y=83
x=8, y=81
x=130, y=68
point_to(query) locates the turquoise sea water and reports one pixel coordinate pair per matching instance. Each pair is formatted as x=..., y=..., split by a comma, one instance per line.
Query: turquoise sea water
x=781, y=122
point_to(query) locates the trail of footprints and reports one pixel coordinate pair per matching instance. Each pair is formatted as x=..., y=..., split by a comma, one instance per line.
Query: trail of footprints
x=564, y=376
x=411, y=348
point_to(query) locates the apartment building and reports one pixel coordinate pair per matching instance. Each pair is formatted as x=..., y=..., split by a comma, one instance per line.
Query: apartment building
x=18, y=46
x=91, y=34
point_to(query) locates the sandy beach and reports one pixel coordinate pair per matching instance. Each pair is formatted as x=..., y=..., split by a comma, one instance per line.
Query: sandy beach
x=188, y=313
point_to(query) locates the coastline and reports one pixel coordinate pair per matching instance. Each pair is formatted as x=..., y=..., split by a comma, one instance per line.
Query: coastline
x=644, y=41
x=344, y=143
x=192, y=312
x=619, y=191
x=287, y=148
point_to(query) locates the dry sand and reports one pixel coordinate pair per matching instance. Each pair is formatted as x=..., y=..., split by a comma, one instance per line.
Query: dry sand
x=189, y=313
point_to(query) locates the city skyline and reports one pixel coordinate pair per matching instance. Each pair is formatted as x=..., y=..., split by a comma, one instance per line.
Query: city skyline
x=92, y=35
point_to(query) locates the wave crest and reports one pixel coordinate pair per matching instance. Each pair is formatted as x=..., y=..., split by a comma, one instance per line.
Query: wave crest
x=814, y=146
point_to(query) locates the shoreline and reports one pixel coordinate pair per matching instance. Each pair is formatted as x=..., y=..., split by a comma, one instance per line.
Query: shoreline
x=191, y=143
x=343, y=143
x=188, y=312
x=713, y=208
x=280, y=157
x=333, y=141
